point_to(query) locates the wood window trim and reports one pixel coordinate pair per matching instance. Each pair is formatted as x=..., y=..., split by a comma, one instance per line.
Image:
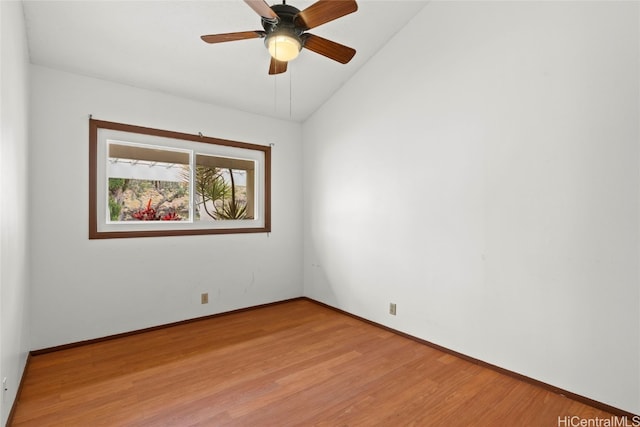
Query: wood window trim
x=94, y=233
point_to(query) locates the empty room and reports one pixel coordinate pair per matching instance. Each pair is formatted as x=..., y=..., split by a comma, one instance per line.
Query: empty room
x=334, y=212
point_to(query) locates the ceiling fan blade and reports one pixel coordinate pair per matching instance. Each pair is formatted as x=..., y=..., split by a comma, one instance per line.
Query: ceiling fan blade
x=324, y=11
x=332, y=50
x=230, y=37
x=277, y=67
x=262, y=8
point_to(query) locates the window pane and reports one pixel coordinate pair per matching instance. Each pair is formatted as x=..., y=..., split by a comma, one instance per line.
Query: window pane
x=224, y=188
x=148, y=184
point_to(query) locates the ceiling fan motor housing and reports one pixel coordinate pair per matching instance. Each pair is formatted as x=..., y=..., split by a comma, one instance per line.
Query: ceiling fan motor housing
x=285, y=26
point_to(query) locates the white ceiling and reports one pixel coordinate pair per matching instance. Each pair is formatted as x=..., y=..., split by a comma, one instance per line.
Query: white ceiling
x=156, y=45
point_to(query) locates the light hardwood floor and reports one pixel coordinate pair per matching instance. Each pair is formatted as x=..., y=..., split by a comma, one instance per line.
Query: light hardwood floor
x=292, y=364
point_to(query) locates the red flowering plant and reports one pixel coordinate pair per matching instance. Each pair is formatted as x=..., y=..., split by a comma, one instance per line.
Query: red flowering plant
x=150, y=214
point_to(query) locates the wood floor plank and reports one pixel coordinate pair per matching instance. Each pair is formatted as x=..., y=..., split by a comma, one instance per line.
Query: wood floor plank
x=291, y=364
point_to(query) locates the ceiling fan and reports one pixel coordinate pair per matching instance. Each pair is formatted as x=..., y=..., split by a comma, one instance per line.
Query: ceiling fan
x=285, y=31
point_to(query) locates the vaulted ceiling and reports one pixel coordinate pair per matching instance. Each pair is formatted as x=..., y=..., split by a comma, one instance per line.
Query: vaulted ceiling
x=156, y=45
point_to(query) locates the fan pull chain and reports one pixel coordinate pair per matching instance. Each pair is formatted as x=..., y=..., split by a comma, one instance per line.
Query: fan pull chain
x=290, y=92
x=275, y=94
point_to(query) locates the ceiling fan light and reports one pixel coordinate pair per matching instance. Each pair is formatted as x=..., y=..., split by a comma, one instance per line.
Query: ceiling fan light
x=283, y=47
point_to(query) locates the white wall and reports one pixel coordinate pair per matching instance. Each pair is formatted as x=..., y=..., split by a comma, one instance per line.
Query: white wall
x=481, y=172
x=85, y=288
x=14, y=211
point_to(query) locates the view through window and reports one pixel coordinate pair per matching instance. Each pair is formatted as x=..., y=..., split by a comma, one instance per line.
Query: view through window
x=147, y=182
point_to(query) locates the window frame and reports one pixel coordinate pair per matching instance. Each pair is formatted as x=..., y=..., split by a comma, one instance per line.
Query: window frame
x=172, y=228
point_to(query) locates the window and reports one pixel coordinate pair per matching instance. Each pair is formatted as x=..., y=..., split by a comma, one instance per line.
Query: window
x=148, y=182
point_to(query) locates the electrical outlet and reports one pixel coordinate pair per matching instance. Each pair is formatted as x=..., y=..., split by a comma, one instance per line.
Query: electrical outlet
x=204, y=298
x=392, y=308
x=4, y=384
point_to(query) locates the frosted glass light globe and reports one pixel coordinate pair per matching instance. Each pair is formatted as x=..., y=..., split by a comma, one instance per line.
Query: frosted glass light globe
x=283, y=47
